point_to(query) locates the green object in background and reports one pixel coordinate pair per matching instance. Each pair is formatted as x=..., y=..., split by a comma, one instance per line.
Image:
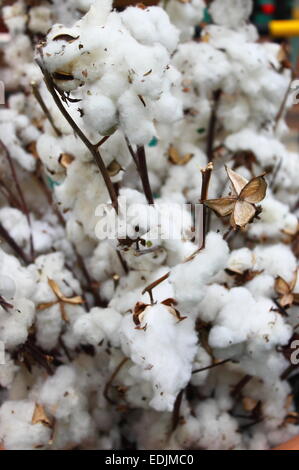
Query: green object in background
x=207, y=17
x=153, y=142
x=52, y=183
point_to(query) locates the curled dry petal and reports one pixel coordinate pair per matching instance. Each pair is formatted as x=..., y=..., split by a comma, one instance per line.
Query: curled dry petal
x=281, y=286
x=69, y=300
x=176, y=159
x=222, y=207
x=254, y=191
x=238, y=181
x=242, y=214
x=40, y=417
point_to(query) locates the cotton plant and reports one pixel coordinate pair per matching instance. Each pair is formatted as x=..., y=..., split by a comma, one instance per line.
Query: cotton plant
x=116, y=298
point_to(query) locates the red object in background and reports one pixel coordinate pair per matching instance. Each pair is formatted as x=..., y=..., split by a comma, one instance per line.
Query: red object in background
x=268, y=8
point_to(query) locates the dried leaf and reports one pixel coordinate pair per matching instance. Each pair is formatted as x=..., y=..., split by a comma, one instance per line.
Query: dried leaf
x=68, y=300
x=222, y=207
x=281, y=286
x=176, y=159
x=55, y=288
x=40, y=417
x=286, y=300
x=249, y=404
x=238, y=181
x=46, y=305
x=138, y=311
x=63, y=313
x=66, y=159
x=242, y=214
x=254, y=191
x=294, y=281
x=77, y=300
x=31, y=148
x=206, y=37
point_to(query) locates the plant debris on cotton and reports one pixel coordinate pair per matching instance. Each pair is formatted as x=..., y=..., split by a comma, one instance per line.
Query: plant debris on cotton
x=149, y=284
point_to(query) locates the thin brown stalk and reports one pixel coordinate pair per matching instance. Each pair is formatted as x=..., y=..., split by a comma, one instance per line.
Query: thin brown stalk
x=21, y=195
x=176, y=410
x=111, y=379
x=154, y=284
x=144, y=174
x=213, y=125
x=44, y=107
x=206, y=174
x=212, y=366
x=13, y=245
x=91, y=147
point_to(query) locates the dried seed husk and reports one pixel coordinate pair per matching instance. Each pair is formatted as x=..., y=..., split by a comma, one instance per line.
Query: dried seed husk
x=40, y=416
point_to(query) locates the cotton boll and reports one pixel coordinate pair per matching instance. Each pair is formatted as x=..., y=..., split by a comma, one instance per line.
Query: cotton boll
x=202, y=360
x=274, y=220
x=163, y=352
x=261, y=286
x=276, y=260
x=244, y=319
x=15, y=17
x=185, y=16
x=234, y=115
x=8, y=372
x=168, y=108
x=150, y=26
x=267, y=149
x=214, y=299
x=17, y=431
x=189, y=279
x=240, y=260
x=98, y=324
x=100, y=114
x=222, y=430
x=15, y=222
x=231, y=13
x=134, y=119
x=40, y=20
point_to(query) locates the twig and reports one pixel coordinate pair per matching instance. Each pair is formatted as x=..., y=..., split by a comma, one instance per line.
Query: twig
x=91, y=147
x=122, y=262
x=43, y=105
x=237, y=390
x=283, y=105
x=154, y=284
x=206, y=178
x=102, y=141
x=110, y=381
x=212, y=366
x=133, y=154
x=21, y=195
x=212, y=125
x=12, y=243
x=144, y=174
x=176, y=410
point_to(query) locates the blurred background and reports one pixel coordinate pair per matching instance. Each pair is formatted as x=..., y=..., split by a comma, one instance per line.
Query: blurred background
x=276, y=20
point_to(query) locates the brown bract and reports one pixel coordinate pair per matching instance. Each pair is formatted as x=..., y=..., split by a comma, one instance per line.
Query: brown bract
x=40, y=417
x=286, y=291
x=176, y=159
x=61, y=300
x=241, y=204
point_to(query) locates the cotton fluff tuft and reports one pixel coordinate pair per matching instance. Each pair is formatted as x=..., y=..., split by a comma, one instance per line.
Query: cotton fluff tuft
x=231, y=13
x=162, y=353
x=122, y=63
x=16, y=429
x=189, y=279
